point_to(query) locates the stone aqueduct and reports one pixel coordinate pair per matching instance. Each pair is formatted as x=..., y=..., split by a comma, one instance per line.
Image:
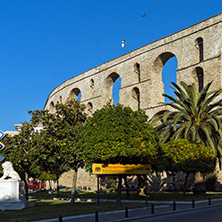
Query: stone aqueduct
x=198, y=52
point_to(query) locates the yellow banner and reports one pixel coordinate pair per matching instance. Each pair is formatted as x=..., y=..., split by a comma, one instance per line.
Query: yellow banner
x=121, y=169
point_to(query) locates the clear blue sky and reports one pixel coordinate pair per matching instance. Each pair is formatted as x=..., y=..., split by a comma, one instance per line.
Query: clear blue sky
x=45, y=42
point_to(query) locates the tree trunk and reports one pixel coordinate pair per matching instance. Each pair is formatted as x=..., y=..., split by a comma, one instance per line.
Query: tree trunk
x=50, y=185
x=73, y=196
x=127, y=187
x=26, y=179
x=119, y=191
x=57, y=181
x=185, y=184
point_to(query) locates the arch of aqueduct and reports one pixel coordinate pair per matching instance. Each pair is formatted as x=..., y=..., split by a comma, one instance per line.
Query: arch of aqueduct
x=198, y=52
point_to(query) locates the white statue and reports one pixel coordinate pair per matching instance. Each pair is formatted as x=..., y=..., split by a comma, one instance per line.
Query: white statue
x=8, y=171
x=11, y=189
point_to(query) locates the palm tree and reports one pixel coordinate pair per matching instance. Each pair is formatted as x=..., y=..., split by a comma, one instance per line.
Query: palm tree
x=196, y=116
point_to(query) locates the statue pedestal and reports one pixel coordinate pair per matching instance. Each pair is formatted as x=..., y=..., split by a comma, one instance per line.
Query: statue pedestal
x=12, y=195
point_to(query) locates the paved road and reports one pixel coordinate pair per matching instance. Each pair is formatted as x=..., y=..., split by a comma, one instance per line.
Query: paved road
x=203, y=215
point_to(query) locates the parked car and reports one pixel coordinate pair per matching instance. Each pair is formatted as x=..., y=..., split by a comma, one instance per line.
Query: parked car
x=35, y=185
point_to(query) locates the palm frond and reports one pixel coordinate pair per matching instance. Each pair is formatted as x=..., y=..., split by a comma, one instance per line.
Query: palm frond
x=196, y=116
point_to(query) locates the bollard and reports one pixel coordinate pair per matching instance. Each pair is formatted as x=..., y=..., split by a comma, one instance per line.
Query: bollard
x=60, y=218
x=174, y=205
x=152, y=208
x=96, y=216
x=209, y=201
x=126, y=212
x=193, y=203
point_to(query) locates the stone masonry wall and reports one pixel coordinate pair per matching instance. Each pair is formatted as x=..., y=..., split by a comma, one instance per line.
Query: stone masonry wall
x=96, y=84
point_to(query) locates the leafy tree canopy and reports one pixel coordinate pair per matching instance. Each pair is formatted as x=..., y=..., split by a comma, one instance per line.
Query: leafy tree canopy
x=57, y=151
x=117, y=134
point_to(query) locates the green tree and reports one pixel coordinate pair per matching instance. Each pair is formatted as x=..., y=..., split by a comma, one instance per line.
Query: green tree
x=57, y=149
x=195, y=116
x=20, y=150
x=117, y=134
x=183, y=155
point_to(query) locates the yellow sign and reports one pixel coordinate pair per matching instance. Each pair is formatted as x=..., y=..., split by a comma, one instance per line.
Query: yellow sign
x=121, y=169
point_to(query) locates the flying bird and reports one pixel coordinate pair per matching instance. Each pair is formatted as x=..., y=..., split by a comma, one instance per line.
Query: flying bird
x=123, y=43
x=144, y=15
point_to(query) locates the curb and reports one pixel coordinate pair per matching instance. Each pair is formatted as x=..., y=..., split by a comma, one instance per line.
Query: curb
x=126, y=201
x=87, y=215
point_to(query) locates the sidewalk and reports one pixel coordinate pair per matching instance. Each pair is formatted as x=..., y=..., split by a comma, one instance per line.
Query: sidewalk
x=141, y=213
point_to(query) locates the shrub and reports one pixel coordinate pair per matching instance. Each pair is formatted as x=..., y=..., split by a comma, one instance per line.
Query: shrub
x=183, y=155
x=210, y=182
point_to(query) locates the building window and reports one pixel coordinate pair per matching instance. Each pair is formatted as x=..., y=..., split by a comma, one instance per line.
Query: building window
x=199, y=43
x=200, y=78
x=137, y=70
x=136, y=97
x=92, y=83
x=51, y=107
